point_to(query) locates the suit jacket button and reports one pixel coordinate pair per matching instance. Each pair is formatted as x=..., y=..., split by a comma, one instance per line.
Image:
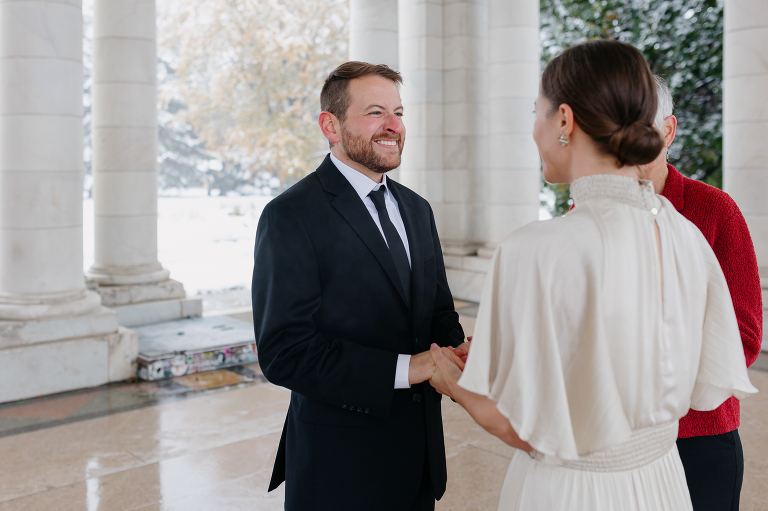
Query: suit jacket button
x=367, y=410
x=344, y=407
x=417, y=398
x=359, y=409
x=415, y=339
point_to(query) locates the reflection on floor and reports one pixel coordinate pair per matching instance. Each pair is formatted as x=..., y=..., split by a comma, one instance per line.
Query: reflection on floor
x=207, y=442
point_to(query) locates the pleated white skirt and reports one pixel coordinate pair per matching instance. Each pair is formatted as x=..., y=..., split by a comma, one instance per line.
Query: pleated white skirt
x=643, y=474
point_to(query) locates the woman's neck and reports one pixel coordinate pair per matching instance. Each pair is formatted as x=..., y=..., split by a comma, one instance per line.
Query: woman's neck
x=589, y=163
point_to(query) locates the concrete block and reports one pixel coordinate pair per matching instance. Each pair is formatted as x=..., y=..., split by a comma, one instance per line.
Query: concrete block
x=126, y=240
x=40, y=369
x=524, y=42
x=743, y=14
x=125, y=60
x=25, y=333
x=124, y=18
x=465, y=285
x=745, y=52
x=744, y=145
x=124, y=104
x=41, y=87
x=41, y=261
x=514, y=80
x=125, y=193
x=149, y=313
x=28, y=29
x=41, y=200
x=125, y=148
x=123, y=352
x=22, y=136
x=114, y=296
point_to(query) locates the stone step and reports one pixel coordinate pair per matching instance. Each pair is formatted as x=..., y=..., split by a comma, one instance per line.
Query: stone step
x=193, y=345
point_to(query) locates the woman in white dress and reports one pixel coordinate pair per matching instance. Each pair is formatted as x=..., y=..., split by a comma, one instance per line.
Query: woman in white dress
x=597, y=331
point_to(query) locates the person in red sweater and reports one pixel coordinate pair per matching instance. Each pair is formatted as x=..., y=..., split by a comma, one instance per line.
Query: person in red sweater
x=709, y=443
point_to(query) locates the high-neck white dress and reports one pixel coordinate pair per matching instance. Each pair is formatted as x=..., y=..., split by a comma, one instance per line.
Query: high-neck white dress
x=593, y=360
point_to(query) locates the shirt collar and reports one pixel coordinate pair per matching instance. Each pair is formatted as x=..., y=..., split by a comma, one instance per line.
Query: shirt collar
x=673, y=187
x=362, y=184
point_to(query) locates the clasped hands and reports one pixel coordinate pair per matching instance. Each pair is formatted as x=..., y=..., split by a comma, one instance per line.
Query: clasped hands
x=441, y=366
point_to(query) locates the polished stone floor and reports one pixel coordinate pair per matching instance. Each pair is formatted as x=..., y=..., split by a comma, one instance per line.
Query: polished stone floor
x=207, y=442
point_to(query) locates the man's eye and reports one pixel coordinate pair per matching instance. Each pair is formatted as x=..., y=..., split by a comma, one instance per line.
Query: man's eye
x=376, y=113
x=399, y=114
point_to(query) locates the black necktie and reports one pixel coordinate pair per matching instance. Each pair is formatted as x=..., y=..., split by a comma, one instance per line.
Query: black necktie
x=396, y=247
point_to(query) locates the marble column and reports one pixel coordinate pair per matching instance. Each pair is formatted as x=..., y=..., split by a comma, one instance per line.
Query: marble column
x=126, y=267
x=420, y=46
x=54, y=334
x=745, y=119
x=514, y=60
x=373, y=31
x=465, y=131
x=41, y=161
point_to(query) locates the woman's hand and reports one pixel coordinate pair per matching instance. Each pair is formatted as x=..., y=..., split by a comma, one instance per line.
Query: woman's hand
x=448, y=369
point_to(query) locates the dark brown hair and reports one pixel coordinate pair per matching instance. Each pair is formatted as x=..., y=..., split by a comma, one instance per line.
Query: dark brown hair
x=335, y=98
x=612, y=93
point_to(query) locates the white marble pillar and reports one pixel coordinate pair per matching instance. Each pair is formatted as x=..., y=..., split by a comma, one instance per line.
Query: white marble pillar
x=514, y=178
x=421, y=64
x=125, y=144
x=41, y=161
x=465, y=130
x=373, y=31
x=745, y=119
x=54, y=334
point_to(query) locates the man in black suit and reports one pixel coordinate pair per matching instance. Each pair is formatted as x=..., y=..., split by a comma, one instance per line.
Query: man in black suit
x=349, y=292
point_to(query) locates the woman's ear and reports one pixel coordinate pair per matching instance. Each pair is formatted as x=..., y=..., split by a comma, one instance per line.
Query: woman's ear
x=567, y=123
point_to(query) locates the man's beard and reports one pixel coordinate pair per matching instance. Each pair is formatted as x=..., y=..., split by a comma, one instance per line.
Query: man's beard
x=361, y=150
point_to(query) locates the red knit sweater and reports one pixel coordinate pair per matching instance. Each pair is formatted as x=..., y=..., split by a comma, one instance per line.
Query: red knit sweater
x=719, y=219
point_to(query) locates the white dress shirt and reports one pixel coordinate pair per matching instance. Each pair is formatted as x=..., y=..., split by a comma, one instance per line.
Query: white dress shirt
x=364, y=186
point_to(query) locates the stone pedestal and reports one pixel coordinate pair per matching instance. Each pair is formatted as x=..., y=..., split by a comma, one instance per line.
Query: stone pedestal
x=745, y=119
x=126, y=269
x=54, y=334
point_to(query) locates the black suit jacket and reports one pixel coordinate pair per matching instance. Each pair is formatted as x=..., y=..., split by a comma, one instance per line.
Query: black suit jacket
x=330, y=320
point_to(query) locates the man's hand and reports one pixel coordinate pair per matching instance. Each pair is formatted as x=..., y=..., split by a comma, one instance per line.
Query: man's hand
x=447, y=370
x=421, y=368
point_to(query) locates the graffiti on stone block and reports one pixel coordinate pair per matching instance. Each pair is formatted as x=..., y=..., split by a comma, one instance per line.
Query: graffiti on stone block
x=181, y=363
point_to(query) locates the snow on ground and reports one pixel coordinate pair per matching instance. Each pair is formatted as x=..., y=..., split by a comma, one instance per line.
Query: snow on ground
x=205, y=242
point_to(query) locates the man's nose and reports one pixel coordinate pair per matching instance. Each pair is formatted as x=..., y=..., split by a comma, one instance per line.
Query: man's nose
x=394, y=124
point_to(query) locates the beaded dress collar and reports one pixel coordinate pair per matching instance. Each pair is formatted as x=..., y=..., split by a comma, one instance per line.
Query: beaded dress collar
x=619, y=188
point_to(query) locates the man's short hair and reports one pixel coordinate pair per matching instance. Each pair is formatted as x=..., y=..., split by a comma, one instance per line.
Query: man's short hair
x=334, y=97
x=665, y=103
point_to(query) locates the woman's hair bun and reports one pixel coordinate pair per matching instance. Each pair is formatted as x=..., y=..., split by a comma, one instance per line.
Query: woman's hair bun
x=612, y=93
x=636, y=144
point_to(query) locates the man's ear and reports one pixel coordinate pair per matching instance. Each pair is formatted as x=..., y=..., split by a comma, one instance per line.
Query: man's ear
x=567, y=124
x=670, y=130
x=329, y=123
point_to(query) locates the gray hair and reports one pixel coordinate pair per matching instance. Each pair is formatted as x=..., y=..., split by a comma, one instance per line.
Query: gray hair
x=664, y=109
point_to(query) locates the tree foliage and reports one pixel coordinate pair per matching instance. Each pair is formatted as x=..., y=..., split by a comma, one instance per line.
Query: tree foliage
x=682, y=41
x=246, y=76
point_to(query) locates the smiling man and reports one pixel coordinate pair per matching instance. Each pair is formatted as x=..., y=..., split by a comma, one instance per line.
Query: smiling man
x=349, y=291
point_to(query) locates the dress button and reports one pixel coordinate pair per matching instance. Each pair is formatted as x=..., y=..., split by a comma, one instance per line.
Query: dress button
x=417, y=398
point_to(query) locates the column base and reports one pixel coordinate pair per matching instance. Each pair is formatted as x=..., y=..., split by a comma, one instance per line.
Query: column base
x=61, y=354
x=148, y=304
x=119, y=276
x=466, y=276
x=37, y=308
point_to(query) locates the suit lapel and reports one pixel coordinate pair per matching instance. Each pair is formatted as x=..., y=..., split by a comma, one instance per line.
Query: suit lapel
x=352, y=209
x=413, y=231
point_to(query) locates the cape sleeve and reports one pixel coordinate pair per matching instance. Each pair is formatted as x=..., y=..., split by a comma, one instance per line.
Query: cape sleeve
x=535, y=325
x=722, y=367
